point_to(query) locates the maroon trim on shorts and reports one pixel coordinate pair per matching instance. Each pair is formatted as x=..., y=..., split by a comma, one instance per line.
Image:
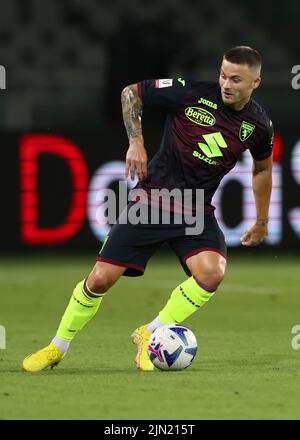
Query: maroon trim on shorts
x=197, y=251
x=120, y=263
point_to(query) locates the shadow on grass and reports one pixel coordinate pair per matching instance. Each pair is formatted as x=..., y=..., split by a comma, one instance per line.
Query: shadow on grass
x=242, y=362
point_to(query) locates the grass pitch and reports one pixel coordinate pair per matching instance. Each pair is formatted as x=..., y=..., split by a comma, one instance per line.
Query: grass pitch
x=245, y=367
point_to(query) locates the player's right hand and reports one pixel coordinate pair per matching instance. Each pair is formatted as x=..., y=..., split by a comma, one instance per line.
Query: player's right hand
x=136, y=159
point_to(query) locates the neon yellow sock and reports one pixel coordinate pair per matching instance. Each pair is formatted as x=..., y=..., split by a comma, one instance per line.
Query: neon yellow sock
x=185, y=300
x=80, y=310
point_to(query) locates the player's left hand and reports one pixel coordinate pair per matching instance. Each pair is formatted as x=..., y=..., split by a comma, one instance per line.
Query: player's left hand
x=255, y=234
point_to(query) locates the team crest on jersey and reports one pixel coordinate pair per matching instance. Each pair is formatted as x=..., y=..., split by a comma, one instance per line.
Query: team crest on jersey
x=246, y=129
x=161, y=83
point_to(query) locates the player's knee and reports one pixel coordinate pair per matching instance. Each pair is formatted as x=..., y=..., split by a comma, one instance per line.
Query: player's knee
x=215, y=279
x=99, y=281
x=211, y=277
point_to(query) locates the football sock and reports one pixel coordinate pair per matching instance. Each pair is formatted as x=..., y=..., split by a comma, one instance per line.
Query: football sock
x=82, y=307
x=154, y=324
x=61, y=344
x=185, y=300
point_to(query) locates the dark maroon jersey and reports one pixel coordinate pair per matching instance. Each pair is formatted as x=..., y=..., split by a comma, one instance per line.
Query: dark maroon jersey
x=203, y=138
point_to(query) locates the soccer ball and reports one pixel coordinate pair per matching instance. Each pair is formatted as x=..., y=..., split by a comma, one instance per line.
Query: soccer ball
x=172, y=347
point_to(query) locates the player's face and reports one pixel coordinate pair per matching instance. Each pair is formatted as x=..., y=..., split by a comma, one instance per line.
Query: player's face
x=237, y=82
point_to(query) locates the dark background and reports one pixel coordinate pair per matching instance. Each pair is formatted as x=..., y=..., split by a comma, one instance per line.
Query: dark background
x=68, y=60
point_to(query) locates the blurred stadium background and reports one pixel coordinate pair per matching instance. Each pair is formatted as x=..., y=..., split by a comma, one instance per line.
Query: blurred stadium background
x=61, y=131
x=66, y=64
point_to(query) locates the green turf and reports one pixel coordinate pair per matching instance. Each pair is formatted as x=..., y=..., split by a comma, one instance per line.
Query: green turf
x=245, y=367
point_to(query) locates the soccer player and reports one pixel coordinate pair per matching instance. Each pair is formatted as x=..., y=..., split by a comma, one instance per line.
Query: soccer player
x=208, y=126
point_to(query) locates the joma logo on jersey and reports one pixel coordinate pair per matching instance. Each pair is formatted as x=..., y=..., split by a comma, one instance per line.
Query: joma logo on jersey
x=208, y=103
x=200, y=116
x=246, y=129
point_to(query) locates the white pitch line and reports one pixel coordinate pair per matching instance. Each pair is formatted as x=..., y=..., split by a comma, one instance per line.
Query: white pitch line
x=242, y=288
x=163, y=285
x=230, y=288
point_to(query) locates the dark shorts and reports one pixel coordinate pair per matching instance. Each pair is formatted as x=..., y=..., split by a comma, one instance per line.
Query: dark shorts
x=131, y=246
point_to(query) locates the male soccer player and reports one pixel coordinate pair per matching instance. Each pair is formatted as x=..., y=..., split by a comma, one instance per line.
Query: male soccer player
x=207, y=128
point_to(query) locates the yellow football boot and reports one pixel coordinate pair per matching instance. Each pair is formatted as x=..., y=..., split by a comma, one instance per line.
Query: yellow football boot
x=141, y=337
x=49, y=356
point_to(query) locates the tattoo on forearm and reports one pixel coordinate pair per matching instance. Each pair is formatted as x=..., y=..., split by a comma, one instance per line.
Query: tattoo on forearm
x=132, y=108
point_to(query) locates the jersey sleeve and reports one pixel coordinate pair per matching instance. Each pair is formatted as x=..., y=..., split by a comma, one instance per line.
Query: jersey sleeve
x=264, y=148
x=165, y=93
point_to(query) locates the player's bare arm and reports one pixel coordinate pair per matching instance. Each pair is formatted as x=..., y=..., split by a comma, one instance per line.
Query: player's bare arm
x=262, y=187
x=132, y=108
